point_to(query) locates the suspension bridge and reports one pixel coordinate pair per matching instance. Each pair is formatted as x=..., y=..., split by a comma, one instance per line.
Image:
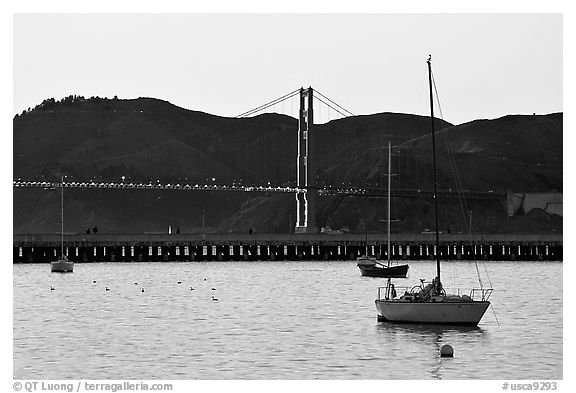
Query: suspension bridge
x=324, y=160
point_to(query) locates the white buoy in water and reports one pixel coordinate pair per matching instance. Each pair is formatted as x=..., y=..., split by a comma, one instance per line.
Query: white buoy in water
x=446, y=351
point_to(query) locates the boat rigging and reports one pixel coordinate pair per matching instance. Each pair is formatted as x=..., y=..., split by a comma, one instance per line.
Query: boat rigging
x=62, y=265
x=428, y=302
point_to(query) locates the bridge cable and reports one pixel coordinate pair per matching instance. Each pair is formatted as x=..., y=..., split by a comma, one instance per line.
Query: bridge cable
x=263, y=107
x=269, y=104
x=344, y=109
x=328, y=105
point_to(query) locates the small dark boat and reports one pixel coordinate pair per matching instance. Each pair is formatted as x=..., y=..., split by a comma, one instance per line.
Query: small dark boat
x=62, y=265
x=369, y=266
x=373, y=270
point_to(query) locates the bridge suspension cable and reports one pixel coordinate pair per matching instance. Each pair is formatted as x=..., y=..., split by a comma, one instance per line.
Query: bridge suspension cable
x=269, y=104
x=326, y=101
x=331, y=107
x=339, y=106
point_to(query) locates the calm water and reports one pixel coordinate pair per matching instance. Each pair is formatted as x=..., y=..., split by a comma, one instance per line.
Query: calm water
x=274, y=320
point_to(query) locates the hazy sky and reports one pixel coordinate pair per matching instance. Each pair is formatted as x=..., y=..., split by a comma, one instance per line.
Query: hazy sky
x=485, y=65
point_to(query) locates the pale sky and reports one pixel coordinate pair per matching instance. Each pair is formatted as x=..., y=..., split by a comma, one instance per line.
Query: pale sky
x=485, y=65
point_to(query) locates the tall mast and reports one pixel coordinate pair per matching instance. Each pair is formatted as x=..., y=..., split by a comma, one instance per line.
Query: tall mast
x=389, y=176
x=366, y=235
x=62, y=217
x=434, y=168
x=388, y=287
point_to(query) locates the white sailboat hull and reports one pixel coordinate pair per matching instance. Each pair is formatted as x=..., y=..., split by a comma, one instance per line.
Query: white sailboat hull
x=445, y=313
x=62, y=266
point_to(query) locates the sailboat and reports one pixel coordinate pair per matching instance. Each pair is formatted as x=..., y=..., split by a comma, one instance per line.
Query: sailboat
x=370, y=267
x=428, y=303
x=62, y=265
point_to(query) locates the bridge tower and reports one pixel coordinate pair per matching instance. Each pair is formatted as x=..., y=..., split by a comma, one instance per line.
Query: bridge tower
x=306, y=200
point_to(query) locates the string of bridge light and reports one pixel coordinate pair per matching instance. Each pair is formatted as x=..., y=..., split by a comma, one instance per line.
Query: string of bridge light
x=326, y=189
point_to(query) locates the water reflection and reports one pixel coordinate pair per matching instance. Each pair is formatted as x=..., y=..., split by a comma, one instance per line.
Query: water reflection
x=428, y=340
x=424, y=329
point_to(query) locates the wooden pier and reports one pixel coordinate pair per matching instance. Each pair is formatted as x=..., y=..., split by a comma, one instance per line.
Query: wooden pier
x=278, y=247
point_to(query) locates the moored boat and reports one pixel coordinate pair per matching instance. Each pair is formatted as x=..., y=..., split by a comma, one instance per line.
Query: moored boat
x=371, y=267
x=62, y=265
x=428, y=303
x=424, y=303
x=373, y=270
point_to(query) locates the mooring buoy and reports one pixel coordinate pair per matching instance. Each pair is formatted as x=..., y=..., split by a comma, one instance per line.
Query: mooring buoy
x=446, y=351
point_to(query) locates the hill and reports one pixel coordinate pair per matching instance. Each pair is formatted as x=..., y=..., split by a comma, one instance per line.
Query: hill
x=147, y=139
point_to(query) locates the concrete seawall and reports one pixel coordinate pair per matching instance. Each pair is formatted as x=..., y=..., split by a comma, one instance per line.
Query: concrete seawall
x=29, y=248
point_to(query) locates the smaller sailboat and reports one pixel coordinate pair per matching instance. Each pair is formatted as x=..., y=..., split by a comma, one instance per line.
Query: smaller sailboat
x=370, y=267
x=62, y=265
x=366, y=260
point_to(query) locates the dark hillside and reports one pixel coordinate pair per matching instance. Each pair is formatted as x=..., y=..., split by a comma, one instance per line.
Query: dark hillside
x=148, y=140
